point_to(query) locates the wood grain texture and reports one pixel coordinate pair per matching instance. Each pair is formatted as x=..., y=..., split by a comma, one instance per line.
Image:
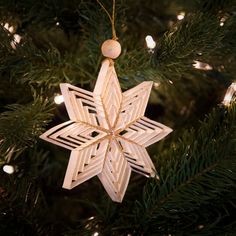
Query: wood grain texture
x=107, y=133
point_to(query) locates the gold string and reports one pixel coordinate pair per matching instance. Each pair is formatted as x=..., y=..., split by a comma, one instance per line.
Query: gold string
x=113, y=21
x=111, y=17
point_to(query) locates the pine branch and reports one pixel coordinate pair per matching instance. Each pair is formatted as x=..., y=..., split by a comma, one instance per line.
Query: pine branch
x=216, y=6
x=198, y=33
x=196, y=191
x=198, y=173
x=21, y=125
x=23, y=202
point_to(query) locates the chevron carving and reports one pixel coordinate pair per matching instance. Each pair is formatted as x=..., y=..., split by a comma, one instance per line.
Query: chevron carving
x=107, y=133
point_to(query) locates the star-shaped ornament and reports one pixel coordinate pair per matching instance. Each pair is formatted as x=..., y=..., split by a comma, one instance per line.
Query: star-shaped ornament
x=107, y=132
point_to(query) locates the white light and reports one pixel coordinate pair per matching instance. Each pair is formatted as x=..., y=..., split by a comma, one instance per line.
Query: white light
x=13, y=45
x=16, y=37
x=58, y=99
x=227, y=99
x=57, y=23
x=156, y=85
x=222, y=20
x=181, y=15
x=8, y=169
x=6, y=26
x=96, y=234
x=229, y=94
x=9, y=28
x=16, y=40
x=151, y=44
x=201, y=65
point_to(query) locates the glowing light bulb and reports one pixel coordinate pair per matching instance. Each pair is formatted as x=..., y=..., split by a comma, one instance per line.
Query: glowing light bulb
x=229, y=94
x=11, y=29
x=227, y=99
x=16, y=37
x=16, y=40
x=58, y=99
x=8, y=169
x=96, y=234
x=151, y=44
x=222, y=20
x=8, y=27
x=201, y=65
x=181, y=15
x=156, y=85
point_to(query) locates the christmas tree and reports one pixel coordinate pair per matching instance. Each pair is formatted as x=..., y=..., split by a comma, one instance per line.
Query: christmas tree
x=188, y=50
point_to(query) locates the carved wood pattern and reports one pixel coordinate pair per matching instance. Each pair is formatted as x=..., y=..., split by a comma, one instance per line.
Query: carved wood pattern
x=107, y=133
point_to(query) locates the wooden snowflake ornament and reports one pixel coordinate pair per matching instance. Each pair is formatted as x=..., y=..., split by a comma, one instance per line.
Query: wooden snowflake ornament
x=107, y=132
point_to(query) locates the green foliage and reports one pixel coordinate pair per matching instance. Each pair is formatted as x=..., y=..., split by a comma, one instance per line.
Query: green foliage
x=23, y=204
x=197, y=34
x=197, y=175
x=196, y=191
x=21, y=125
x=196, y=165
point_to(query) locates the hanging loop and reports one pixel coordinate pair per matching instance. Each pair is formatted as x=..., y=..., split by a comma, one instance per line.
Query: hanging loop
x=111, y=17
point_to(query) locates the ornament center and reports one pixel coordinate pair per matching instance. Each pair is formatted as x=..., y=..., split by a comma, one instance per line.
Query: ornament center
x=111, y=133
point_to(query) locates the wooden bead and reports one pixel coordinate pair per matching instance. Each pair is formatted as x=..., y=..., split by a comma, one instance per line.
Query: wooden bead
x=111, y=49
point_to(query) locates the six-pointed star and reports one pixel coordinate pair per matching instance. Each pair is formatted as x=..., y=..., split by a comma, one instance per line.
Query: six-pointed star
x=107, y=133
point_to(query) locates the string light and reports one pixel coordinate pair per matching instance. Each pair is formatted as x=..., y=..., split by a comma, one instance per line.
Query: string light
x=58, y=99
x=9, y=28
x=151, y=44
x=95, y=234
x=156, y=85
x=16, y=40
x=181, y=15
x=16, y=37
x=222, y=20
x=201, y=65
x=200, y=226
x=8, y=169
x=229, y=94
